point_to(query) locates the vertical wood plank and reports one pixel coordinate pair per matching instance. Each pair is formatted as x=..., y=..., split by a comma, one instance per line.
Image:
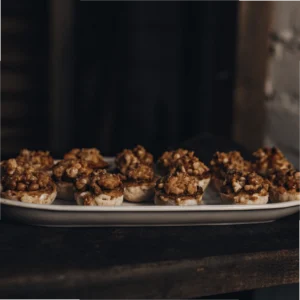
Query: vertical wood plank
x=61, y=77
x=23, y=69
x=254, y=23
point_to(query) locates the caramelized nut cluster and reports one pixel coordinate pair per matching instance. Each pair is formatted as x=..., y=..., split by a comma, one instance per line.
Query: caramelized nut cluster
x=169, y=158
x=270, y=158
x=140, y=172
x=246, y=182
x=143, y=156
x=222, y=162
x=68, y=169
x=128, y=158
x=286, y=180
x=26, y=179
x=98, y=182
x=125, y=159
x=11, y=165
x=179, y=184
x=40, y=160
x=192, y=166
x=91, y=155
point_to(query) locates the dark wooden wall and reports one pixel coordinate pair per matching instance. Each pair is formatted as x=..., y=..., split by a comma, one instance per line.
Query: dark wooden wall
x=249, y=116
x=75, y=73
x=24, y=75
x=154, y=73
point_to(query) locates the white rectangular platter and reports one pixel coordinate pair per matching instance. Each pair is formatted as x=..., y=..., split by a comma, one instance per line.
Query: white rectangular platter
x=212, y=212
x=62, y=214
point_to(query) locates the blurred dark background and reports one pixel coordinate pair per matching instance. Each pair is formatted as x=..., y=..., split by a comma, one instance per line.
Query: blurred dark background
x=114, y=74
x=24, y=75
x=151, y=73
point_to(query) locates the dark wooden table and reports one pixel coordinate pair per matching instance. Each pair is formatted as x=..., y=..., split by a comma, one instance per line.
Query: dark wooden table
x=166, y=262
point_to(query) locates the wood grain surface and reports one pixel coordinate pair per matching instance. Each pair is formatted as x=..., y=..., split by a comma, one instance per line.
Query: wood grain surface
x=251, y=70
x=146, y=262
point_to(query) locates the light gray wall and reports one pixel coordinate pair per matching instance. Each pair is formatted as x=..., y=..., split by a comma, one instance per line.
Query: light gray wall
x=282, y=84
x=282, y=89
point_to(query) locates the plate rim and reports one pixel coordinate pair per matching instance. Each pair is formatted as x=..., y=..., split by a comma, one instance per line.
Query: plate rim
x=148, y=208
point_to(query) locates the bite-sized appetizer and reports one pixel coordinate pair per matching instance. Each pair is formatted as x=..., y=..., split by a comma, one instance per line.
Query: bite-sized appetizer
x=194, y=167
x=178, y=188
x=91, y=155
x=269, y=158
x=26, y=184
x=39, y=160
x=285, y=185
x=244, y=188
x=143, y=156
x=129, y=157
x=64, y=174
x=222, y=162
x=100, y=188
x=139, y=182
x=169, y=158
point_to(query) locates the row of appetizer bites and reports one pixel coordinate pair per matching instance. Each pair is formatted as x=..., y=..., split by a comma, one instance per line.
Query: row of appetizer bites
x=269, y=176
x=183, y=169
x=185, y=180
x=80, y=166
x=232, y=176
x=136, y=169
x=250, y=188
x=43, y=161
x=186, y=177
x=180, y=169
x=76, y=162
x=28, y=176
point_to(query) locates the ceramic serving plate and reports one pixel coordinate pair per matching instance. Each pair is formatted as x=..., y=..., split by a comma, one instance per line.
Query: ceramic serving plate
x=63, y=213
x=67, y=214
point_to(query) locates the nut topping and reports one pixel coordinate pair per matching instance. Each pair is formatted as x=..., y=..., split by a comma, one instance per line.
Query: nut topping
x=244, y=182
x=223, y=162
x=143, y=156
x=125, y=159
x=191, y=165
x=128, y=158
x=169, y=158
x=178, y=184
x=26, y=179
x=39, y=160
x=270, y=158
x=140, y=172
x=91, y=155
x=69, y=169
x=98, y=182
x=286, y=180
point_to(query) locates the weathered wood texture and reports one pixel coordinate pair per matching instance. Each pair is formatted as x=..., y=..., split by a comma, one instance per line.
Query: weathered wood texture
x=61, y=73
x=254, y=23
x=151, y=262
x=146, y=262
x=23, y=77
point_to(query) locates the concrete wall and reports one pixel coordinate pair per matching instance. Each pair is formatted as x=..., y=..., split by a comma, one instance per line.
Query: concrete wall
x=282, y=85
x=282, y=89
